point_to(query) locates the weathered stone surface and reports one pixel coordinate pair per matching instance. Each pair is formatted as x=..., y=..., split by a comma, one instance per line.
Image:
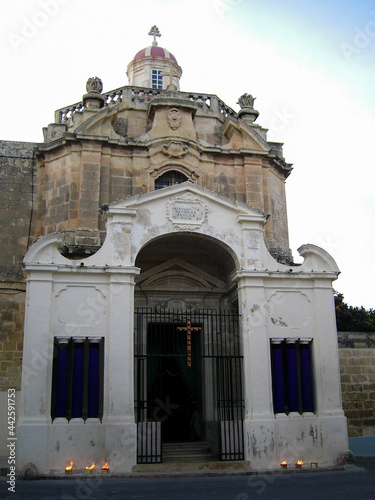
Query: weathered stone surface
x=12, y=305
x=358, y=381
x=16, y=194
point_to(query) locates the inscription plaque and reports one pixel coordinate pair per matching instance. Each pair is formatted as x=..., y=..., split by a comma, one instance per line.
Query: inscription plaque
x=187, y=210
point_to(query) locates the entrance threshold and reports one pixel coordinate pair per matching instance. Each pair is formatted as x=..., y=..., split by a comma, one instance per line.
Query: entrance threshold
x=211, y=466
x=188, y=452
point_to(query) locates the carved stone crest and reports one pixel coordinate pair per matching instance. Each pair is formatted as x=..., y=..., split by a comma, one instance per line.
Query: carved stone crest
x=121, y=127
x=175, y=305
x=174, y=118
x=175, y=149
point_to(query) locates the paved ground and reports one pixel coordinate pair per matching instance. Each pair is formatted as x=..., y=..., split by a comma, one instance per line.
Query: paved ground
x=352, y=483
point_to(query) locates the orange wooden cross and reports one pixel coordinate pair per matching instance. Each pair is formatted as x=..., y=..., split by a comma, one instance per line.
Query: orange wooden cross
x=188, y=329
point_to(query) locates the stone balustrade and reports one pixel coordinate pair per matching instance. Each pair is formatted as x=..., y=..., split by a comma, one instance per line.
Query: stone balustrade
x=205, y=102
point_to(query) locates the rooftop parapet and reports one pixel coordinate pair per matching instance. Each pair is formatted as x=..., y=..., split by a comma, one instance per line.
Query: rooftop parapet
x=207, y=103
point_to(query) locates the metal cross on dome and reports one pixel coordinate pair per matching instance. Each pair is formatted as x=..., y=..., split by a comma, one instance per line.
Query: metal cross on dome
x=188, y=329
x=154, y=31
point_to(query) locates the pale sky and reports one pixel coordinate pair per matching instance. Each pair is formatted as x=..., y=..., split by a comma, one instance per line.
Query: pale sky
x=310, y=64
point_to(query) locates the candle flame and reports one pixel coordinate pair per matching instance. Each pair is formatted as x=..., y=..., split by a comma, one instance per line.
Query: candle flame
x=69, y=467
x=283, y=463
x=90, y=468
x=105, y=466
x=300, y=462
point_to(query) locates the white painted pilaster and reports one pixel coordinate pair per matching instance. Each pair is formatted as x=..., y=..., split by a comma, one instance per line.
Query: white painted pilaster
x=120, y=426
x=34, y=411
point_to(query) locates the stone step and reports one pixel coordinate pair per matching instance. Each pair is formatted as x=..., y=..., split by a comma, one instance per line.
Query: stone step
x=190, y=452
x=196, y=446
x=188, y=460
x=186, y=454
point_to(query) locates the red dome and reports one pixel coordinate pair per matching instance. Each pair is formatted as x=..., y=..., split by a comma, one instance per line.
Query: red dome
x=157, y=52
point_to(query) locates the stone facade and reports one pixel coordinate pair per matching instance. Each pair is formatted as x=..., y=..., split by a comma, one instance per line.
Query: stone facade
x=210, y=147
x=357, y=365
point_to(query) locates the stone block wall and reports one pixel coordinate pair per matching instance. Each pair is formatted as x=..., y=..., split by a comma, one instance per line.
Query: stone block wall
x=12, y=308
x=357, y=364
x=16, y=204
x=16, y=193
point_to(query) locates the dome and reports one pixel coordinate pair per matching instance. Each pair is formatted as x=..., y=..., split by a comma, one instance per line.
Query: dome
x=154, y=67
x=155, y=52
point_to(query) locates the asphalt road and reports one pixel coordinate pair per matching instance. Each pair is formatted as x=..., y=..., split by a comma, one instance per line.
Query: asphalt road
x=352, y=483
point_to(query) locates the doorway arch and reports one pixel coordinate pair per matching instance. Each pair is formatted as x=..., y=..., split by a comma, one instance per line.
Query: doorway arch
x=185, y=278
x=186, y=266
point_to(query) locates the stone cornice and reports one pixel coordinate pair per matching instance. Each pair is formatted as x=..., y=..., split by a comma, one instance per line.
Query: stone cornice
x=134, y=143
x=282, y=165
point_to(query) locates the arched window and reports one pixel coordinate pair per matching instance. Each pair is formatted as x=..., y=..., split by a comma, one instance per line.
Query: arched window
x=170, y=178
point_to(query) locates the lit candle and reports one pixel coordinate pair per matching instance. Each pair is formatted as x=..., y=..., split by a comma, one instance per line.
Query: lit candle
x=105, y=469
x=68, y=468
x=284, y=465
x=88, y=470
x=299, y=464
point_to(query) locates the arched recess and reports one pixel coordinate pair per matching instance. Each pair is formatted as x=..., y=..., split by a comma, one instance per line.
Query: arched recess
x=170, y=178
x=186, y=279
x=179, y=167
x=190, y=268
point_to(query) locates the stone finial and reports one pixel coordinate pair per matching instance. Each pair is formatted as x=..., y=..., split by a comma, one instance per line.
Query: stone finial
x=246, y=101
x=94, y=85
x=248, y=114
x=154, y=31
x=93, y=99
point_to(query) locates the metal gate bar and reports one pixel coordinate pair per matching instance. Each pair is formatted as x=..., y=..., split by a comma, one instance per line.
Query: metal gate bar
x=221, y=347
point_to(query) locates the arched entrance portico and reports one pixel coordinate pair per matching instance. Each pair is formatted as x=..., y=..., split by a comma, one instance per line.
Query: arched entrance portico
x=188, y=361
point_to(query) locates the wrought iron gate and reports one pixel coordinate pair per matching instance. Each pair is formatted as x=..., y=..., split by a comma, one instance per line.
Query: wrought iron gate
x=211, y=386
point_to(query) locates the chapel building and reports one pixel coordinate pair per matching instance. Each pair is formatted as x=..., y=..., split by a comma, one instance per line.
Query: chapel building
x=161, y=294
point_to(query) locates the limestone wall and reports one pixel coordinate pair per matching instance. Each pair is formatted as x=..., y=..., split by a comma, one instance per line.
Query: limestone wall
x=357, y=364
x=16, y=193
x=15, y=206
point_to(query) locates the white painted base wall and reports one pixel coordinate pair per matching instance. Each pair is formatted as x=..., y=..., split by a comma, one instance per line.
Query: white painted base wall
x=60, y=443
x=4, y=452
x=303, y=437
x=275, y=301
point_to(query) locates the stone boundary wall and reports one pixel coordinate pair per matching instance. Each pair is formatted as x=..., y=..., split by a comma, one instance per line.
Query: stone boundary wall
x=16, y=204
x=357, y=365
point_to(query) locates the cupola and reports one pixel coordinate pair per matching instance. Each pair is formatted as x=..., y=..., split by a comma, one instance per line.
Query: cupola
x=154, y=67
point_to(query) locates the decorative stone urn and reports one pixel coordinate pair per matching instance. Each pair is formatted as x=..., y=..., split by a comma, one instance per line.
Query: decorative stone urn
x=93, y=99
x=248, y=114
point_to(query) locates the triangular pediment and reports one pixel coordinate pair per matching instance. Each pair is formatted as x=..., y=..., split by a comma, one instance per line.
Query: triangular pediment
x=241, y=136
x=100, y=123
x=189, y=191
x=182, y=274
